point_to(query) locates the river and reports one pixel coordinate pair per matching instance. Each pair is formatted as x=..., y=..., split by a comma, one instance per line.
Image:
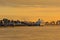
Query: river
x=30, y=33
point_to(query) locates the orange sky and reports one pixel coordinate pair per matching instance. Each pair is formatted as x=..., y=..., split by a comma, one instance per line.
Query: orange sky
x=46, y=10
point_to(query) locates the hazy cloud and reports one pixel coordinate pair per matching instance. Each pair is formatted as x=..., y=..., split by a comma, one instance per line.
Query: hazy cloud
x=29, y=3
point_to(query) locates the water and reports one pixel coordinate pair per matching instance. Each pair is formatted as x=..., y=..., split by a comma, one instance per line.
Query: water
x=30, y=33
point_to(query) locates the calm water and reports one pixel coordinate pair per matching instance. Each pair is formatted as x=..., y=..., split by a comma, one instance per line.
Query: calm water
x=30, y=33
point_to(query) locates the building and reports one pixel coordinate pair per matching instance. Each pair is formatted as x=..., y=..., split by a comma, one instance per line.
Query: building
x=58, y=22
x=38, y=22
x=52, y=23
x=46, y=23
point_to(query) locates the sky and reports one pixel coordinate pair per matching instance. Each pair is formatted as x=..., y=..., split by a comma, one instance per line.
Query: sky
x=47, y=10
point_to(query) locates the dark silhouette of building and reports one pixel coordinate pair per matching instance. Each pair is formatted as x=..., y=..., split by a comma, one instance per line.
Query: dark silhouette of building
x=46, y=23
x=1, y=23
x=58, y=22
x=52, y=23
x=7, y=22
x=38, y=22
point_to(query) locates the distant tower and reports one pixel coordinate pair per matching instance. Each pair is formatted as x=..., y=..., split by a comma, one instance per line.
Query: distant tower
x=38, y=22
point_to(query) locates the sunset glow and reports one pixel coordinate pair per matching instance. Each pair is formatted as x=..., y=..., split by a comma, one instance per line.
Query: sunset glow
x=47, y=10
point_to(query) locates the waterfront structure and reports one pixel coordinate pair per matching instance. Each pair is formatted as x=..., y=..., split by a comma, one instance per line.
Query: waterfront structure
x=52, y=23
x=58, y=22
x=46, y=23
x=38, y=22
x=7, y=22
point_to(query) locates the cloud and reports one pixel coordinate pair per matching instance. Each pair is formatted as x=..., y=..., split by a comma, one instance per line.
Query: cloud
x=19, y=3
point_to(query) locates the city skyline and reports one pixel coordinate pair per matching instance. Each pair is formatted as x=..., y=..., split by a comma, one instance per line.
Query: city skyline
x=7, y=22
